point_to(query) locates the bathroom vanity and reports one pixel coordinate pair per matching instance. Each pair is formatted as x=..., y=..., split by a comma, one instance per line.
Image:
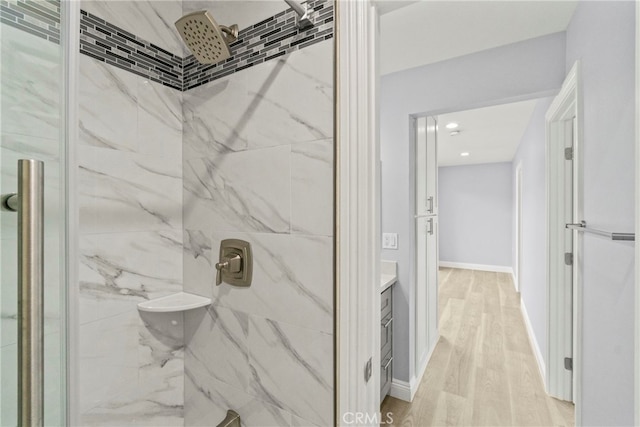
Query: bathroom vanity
x=388, y=277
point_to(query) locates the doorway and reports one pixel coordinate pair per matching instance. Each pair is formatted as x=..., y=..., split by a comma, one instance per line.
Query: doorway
x=518, y=229
x=483, y=334
x=564, y=206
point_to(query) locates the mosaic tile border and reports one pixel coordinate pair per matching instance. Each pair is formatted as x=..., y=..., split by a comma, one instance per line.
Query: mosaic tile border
x=266, y=40
x=39, y=18
x=115, y=46
x=103, y=41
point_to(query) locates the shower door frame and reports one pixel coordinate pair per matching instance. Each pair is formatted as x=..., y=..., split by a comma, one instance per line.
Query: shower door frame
x=70, y=41
x=636, y=403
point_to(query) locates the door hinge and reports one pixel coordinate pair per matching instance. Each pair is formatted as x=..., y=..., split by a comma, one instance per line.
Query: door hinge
x=568, y=258
x=568, y=363
x=568, y=153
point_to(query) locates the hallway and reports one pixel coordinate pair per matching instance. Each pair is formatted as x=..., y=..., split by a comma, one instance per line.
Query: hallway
x=483, y=371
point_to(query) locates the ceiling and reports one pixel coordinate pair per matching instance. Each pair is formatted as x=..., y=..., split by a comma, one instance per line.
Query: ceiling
x=427, y=31
x=489, y=134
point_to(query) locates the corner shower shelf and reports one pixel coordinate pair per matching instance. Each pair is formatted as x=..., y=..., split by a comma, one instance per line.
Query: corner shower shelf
x=181, y=301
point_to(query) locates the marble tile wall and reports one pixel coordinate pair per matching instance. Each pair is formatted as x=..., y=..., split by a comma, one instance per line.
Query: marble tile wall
x=266, y=37
x=130, y=207
x=106, y=42
x=151, y=20
x=258, y=166
x=40, y=18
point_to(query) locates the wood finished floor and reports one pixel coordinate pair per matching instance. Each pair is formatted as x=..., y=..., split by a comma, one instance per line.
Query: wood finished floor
x=482, y=371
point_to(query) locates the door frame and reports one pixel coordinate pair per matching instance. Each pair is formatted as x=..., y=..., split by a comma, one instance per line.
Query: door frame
x=559, y=383
x=70, y=43
x=357, y=219
x=637, y=206
x=518, y=261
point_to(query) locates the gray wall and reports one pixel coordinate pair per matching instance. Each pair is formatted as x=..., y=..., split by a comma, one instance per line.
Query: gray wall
x=475, y=206
x=522, y=70
x=531, y=157
x=601, y=35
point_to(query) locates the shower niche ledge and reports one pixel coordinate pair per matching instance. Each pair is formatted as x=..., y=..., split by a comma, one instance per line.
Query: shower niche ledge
x=181, y=301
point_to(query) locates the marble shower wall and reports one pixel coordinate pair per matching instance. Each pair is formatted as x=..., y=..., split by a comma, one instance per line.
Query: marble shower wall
x=258, y=166
x=130, y=201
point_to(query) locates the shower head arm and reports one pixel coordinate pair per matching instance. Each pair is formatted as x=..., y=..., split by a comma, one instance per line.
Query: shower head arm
x=304, y=14
x=230, y=33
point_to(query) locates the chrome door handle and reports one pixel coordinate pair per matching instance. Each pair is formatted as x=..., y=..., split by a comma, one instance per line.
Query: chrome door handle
x=386, y=325
x=386, y=365
x=430, y=228
x=581, y=224
x=430, y=201
x=29, y=204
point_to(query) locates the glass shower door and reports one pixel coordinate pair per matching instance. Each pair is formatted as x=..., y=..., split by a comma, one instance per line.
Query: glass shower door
x=31, y=127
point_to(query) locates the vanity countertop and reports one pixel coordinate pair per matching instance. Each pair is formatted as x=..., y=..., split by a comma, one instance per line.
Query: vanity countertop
x=388, y=274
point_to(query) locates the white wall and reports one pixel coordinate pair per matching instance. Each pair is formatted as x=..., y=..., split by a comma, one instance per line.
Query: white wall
x=523, y=70
x=601, y=35
x=531, y=157
x=475, y=206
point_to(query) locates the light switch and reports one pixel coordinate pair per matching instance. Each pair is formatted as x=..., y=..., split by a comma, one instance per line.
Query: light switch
x=389, y=240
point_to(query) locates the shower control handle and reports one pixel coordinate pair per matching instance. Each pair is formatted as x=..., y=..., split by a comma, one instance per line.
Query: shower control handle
x=235, y=264
x=232, y=264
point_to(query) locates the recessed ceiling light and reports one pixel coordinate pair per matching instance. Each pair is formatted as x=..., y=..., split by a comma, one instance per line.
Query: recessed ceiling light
x=454, y=132
x=452, y=125
x=465, y=154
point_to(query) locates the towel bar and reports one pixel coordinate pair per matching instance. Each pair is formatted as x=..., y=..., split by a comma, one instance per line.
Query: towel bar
x=582, y=226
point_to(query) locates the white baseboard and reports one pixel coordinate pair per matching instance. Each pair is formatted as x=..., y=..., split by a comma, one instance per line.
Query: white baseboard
x=534, y=344
x=479, y=267
x=407, y=390
x=401, y=390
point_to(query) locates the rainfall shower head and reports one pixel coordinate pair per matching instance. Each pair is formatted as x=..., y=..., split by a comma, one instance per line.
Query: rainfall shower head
x=208, y=41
